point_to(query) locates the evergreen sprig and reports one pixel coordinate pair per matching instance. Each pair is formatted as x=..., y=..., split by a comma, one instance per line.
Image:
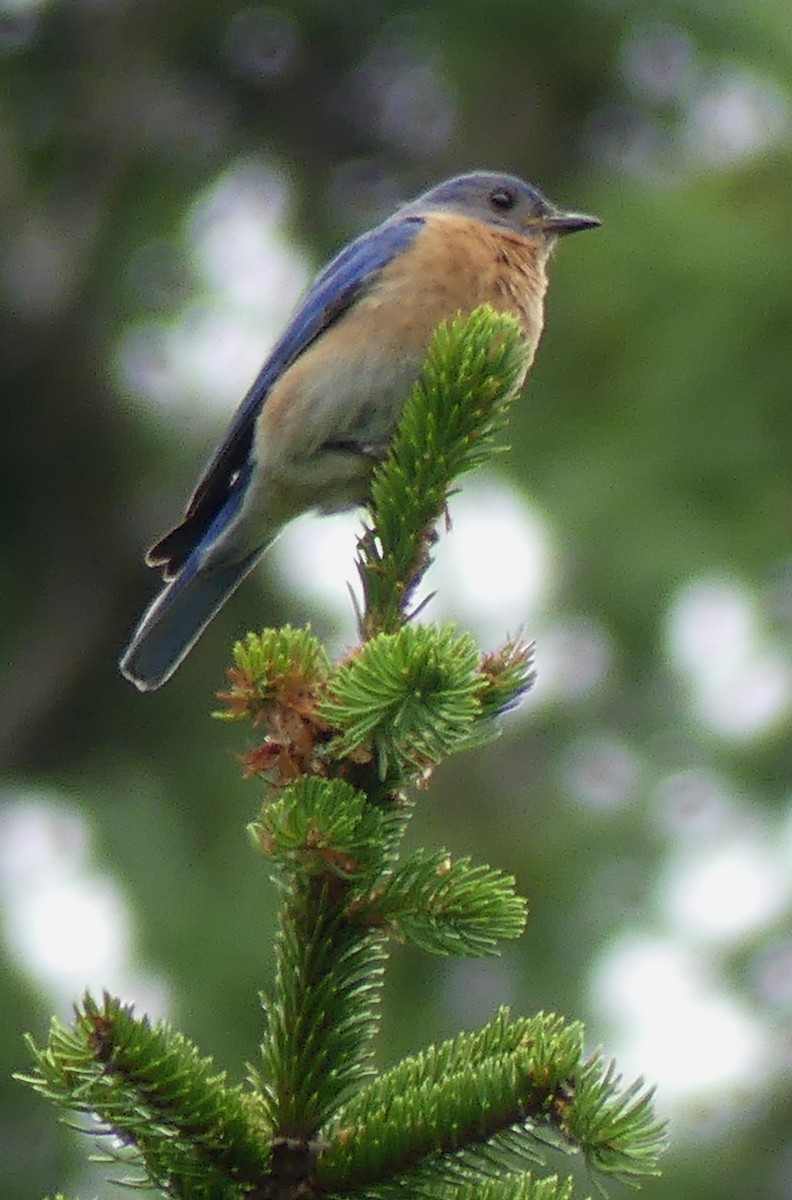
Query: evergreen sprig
x=472, y=1087
x=410, y=698
x=323, y=826
x=476, y=1117
x=148, y=1085
x=506, y=675
x=449, y=426
x=322, y=1018
x=619, y=1131
x=490, y=1102
x=521, y=1187
x=273, y=667
x=514, y=1186
x=447, y=906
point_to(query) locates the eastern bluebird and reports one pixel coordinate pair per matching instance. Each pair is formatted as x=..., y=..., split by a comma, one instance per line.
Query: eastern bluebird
x=321, y=412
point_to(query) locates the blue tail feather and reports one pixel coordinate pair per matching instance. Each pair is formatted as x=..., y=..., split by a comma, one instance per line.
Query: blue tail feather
x=177, y=618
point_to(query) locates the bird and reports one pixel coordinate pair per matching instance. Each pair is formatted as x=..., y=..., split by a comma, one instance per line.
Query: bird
x=320, y=413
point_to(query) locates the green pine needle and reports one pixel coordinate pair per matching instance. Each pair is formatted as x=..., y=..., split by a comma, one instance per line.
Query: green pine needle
x=448, y=426
x=492, y=1102
x=149, y=1086
x=321, y=1021
x=408, y=698
x=323, y=826
x=618, y=1130
x=450, y=906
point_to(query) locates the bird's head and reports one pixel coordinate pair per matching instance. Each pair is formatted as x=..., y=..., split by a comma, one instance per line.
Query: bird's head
x=505, y=201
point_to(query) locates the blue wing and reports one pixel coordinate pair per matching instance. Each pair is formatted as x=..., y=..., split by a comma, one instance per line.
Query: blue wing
x=332, y=293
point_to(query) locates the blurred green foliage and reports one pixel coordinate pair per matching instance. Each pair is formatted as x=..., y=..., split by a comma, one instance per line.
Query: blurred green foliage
x=656, y=435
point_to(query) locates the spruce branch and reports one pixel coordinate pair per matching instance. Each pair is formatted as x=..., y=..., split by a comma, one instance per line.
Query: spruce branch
x=618, y=1130
x=321, y=826
x=447, y=906
x=321, y=1021
x=448, y=427
x=507, y=674
x=408, y=699
x=456, y=1104
x=513, y=1187
x=492, y=1102
x=191, y=1133
x=517, y=1186
x=338, y=744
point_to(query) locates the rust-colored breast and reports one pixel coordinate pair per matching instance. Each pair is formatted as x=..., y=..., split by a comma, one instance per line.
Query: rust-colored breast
x=349, y=385
x=453, y=266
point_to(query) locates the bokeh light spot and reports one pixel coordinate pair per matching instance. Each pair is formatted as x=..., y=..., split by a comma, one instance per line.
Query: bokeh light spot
x=726, y=892
x=675, y=1022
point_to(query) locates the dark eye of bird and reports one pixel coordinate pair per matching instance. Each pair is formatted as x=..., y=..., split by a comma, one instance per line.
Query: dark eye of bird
x=503, y=199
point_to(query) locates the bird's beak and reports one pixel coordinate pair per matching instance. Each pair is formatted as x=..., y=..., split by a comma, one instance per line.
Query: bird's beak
x=562, y=223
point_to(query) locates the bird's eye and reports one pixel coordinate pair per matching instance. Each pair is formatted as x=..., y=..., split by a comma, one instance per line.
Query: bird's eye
x=502, y=199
